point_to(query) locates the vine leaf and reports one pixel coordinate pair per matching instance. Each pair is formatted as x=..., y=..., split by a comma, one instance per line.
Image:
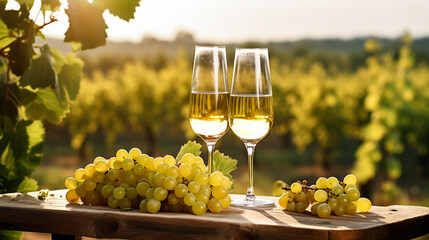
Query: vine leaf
x=20, y=55
x=123, y=9
x=29, y=3
x=87, y=25
x=50, y=5
x=41, y=73
x=189, y=147
x=69, y=77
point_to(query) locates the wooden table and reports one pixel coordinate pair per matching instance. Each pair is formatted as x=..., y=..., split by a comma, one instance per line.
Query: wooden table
x=24, y=212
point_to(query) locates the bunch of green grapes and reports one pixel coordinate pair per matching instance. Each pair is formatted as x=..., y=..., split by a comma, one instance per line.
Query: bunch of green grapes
x=135, y=180
x=328, y=196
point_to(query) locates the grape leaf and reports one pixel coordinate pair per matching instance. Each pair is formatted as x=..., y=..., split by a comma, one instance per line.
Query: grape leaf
x=69, y=77
x=123, y=9
x=10, y=235
x=189, y=147
x=223, y=163
x=28, y=3
x=19, y=56
x=5, y=37
x=87, y=25
x=42, y=104
x=28, y=185
x=50, y=5
x=41, y=73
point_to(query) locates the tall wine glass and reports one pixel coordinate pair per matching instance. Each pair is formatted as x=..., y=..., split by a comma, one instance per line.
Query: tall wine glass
x=251, y=108
x=208, y=110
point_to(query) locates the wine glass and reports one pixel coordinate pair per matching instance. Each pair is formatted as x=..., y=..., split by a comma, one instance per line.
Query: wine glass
x=251, y=108
x=208, y=111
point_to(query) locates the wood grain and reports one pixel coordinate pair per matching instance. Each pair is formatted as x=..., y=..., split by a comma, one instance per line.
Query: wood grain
x=25, y=212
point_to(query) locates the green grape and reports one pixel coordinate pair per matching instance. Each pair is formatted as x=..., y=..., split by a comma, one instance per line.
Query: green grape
x=290, y=206
x=70, y=183
x=119, y=193
x=332, y=181
x=172, y=199
x=206, y=188
x=138, y=170
x=170, y=160
x=98, y=159
x=199, y=208
x=117, y=164
x=143, y=206
x=214, y=205
x=142, y=188
x=343, y=199
x=143, y=159
x=226, y=202
x=353, y=194
x=71, y=196
x=124, y=203
x=98, y=188
x=181, y=190
x=310, y=196
x=350, y=179
x=98, y=177
x=93, y=198
x=340, y=210
x=337, y=189
x=194, y=187
x=363, y=204
x=112, y=202
x=300, y=197
x=322, y=182
x=195, y=171
x=134, y=153
x=189, y=199
x=198, y=159
x=216, y=179
x=201, y=166
x=130, y=178
x=179, y=180
x=296, y=187
x=159, y=179
x=107, y=191
x=333, y=203
x=188, y=158
x=121, y=154
x=160, y=193
x=90, y=170
x=219, y=192
x=351, y=207
x=128, y=164
x=153, y=205
x=349, y=186
x=283, y=200
x=101, y=166
x=320, y=196
x=131, y=193
x=300, y=207
x=290, y=196
x=202, y=196
x=125, y=186
x=89, y=184
x=185, y=170
x=80, y=191
x=226, y=182
x=112, y=161
x=113, y=174
x=79, y=175
x=157, y=161
x=152, y=182
x=173, y=171
x=150, y=193
x=162, y=167
x=323, y=210
x=314, y=208
x=170, y=183
x=201, y=178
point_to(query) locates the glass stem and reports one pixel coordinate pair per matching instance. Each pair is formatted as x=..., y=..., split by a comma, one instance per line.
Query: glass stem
x=250, y=195
x=210, y=148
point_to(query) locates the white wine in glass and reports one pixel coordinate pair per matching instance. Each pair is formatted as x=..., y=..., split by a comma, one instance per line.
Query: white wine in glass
x=251, y=112
x=208, y=111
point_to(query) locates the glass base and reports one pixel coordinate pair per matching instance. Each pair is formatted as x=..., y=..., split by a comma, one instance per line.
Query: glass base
x=252, y=203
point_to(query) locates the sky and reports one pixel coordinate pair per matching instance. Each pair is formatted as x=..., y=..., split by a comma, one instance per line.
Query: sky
x=266, y=20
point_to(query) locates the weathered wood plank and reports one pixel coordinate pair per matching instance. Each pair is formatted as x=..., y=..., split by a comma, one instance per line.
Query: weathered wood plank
x=25, y=212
